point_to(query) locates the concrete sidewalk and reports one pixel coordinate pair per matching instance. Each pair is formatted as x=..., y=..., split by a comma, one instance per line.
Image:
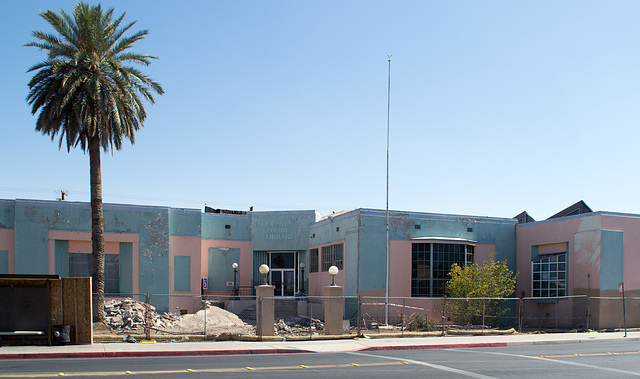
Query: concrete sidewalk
x=123, y=349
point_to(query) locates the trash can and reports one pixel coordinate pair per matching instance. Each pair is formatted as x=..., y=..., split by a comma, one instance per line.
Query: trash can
x=61, y=334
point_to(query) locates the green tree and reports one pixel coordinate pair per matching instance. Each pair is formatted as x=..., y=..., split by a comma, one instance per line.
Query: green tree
x=490, y=280
x=89, y=92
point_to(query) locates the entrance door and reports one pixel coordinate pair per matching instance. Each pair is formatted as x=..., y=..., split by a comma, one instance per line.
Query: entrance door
x=284, y=281
x=283, y=273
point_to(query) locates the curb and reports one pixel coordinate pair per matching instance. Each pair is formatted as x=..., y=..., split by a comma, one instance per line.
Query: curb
x=181, y=353
x=432, y=347
x=140, y=354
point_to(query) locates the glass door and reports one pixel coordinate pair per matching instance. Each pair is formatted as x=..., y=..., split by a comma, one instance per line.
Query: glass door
x=283, y=273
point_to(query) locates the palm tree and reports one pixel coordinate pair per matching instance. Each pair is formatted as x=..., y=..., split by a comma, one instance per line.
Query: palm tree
x=89, y=94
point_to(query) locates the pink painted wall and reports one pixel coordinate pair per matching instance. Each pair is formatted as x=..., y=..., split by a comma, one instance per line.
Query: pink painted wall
x=482, y=252
x=190, y=247
x=7, y=243
x=400, y=264
x=80, y=242
x=582, y=235
x=185, y=246
x=319, y=280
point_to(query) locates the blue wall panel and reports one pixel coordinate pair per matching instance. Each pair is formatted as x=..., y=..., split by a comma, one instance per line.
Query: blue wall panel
x=220, y=270
x=182, y=273
x=214, y=227
x=185, y=222
x=61, y=252
x=611, y=259
x=4, y=262
x=7, y=214
x=281, y=230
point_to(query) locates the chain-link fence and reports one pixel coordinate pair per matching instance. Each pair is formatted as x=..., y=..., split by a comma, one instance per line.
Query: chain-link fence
x=225, y=315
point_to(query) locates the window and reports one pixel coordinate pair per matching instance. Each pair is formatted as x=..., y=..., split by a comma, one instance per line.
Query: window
x=81, y=265
x=313, y=260
x=111, y=273
x=431, y=263
x=332, y=256
x=549, y=275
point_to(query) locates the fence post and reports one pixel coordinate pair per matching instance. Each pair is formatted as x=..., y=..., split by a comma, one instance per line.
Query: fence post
x=147, y=327
x=404, y=300
x=555, y=313
x=624, y=310
x=519, y=315
x=588, y=310
x=358, y=320
x=310, y=315
x=205, y=319
x=259, y=318
x=483, y=311
x=444, y=313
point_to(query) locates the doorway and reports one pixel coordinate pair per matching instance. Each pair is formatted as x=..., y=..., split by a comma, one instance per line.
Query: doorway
x=283, y=272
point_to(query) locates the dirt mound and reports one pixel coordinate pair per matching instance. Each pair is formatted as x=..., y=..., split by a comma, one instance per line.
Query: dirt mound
x=130, y=315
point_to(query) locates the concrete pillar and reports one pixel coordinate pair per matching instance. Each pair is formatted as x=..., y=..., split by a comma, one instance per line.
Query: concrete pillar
x=265, y=311
x=333, y=310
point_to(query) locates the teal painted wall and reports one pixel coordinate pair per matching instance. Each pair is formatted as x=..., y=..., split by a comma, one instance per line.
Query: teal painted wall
x=185, y=222
x=34, y=219
x=372, y=237
x=213, y=227
x=220, y=271
x=182, y=273
x=4, y=262
x=341, y=228
x=275, y=231
x=7, y=214
x=611, y=259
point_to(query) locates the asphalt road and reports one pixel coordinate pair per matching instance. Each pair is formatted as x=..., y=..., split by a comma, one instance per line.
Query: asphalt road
x=586, y=360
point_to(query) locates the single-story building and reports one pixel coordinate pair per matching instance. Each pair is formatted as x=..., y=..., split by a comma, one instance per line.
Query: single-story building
x=168, y=252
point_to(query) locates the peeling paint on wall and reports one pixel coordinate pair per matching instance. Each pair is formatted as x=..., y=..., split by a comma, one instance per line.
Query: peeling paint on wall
x=402, y=221
x=587, y=249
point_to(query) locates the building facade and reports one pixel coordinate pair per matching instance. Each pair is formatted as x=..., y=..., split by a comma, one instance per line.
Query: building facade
x=177, y=254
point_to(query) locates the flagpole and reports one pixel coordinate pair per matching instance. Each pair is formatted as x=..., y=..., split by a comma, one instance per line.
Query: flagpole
x=386, y=284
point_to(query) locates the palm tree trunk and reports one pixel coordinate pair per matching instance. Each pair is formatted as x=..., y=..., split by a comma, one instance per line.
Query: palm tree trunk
x=97, y=230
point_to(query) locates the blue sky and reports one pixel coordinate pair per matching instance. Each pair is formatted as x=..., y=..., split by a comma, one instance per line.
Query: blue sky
x=496, y=107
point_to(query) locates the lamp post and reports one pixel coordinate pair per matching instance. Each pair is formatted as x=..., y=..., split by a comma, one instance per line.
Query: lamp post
x=235, y=283
x=333, y=271
x=264, y=270
x=302, y=267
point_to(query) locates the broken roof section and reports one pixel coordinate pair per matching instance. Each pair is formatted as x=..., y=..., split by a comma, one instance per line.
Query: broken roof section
x=524, y=217
x=578, y=208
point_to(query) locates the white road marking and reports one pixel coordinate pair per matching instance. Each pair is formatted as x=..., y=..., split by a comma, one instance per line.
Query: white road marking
x=584, y=365
x=435, y=366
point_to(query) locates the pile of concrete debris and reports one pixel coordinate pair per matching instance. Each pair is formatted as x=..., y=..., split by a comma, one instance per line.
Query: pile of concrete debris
x=129, y=314
x=297, y=326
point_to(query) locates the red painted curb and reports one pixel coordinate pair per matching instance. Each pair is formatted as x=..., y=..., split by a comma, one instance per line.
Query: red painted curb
x=445, y=346
x=133, y=354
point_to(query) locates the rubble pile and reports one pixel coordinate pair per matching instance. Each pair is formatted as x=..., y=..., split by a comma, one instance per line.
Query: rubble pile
x=297, y=326
x=129, y=314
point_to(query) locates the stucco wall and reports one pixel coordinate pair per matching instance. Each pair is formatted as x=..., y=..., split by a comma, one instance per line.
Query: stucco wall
x=488, y=234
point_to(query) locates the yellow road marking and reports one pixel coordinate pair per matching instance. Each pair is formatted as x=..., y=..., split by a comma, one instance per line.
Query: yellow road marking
x=212, y=370
x=588, y=355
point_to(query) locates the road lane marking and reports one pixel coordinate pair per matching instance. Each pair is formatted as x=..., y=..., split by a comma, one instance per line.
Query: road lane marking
x=584, y=365
x=212, y=370
x=432, y=365
x=589, y=354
